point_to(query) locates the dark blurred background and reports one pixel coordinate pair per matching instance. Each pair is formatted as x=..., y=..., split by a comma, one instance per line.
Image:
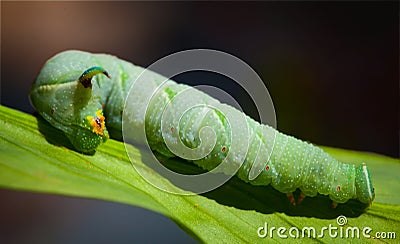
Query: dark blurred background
x=331, y=69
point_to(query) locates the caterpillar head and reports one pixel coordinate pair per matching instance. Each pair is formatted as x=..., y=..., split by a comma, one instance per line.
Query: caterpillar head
x=365, y=192
x=89, y=134
x=68, y=102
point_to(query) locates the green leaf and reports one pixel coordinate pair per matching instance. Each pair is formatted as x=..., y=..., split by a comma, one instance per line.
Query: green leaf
x=36, y=157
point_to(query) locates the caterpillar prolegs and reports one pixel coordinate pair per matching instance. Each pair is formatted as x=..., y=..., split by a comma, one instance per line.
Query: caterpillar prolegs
x=84, y=94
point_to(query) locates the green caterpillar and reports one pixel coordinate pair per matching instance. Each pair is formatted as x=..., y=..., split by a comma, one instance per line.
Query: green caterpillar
x=84, y=94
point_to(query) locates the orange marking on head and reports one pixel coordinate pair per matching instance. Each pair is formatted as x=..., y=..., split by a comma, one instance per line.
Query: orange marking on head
x=267, y=168
x=338, y=188
x=97, y=122
x=223, y=149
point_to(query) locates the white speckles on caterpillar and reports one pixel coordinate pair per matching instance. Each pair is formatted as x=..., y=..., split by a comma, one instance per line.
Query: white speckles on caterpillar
x=83, y=95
